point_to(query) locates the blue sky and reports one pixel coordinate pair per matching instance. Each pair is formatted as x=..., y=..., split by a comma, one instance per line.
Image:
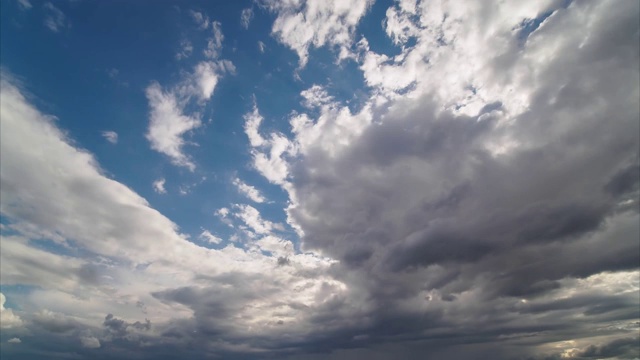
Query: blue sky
x=318, y=179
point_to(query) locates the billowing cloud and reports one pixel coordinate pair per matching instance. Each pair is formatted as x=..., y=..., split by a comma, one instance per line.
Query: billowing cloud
x=468, y=182
x=268, y=154
x=479, y=200
x=315, y=23
x=8, y=319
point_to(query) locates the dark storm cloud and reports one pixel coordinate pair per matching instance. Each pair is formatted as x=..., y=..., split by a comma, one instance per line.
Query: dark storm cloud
x=417, y=203
x=628, y=348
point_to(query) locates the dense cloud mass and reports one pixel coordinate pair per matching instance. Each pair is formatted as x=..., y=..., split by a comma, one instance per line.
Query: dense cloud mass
x=481, y=202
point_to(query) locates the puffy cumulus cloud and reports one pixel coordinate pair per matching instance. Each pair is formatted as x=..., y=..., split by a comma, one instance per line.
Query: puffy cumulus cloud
x=490, y=182
x=14, y=340
x=110, y=136
x=8, y=319
x=249, y=191
x=158, y=186
x=269, y=154
x=315, y=23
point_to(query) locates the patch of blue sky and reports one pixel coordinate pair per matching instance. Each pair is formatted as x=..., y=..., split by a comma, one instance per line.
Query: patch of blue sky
x=372, y=28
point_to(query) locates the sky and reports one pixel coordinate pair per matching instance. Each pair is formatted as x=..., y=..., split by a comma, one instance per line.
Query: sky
x=320, y=179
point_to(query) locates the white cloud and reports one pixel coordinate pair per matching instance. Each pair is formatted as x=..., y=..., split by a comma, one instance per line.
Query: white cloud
x=207, y=79
x=252, y=127
x=168, y=122
x=261, y=47
x=201, y=19
x=90, y=342
x=14, y=340
x=251, y=217
x=167, y=125
x=25, y=4
x=315, y=23
x=316, y=96
x=268, y=154
x=223, y=215
x=111, y=136
x=186, y=49
x=8, y=320
x=214, y=43
x=249, y=191
x=245, y=17
x=158, y=186
x=55, y=20
x=209, y=237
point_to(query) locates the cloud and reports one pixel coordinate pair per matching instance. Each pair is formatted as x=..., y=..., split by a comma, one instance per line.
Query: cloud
x=9, y=320
x=111, y=136
x=268, y=154
x=14, y=340
x=223, y=215
x=25, y=4
x=158, y=186
x=55, y=322
x=186, y=49
x=96, y=259
x=90, y=342
x=262, y=47
x=167, y=125
x=249, y=191
x=214, y=43
x=245, y=17
x=468, y=182
x=209, y=237
x=251, y=217
x=475, y=205
x=316, y=23
x=200, y=19
x=55, y=20
x=168, y=122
